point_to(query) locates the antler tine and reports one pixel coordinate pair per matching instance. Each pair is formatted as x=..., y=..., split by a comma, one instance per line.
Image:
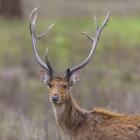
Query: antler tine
x=94, y=39
x=47, y=62
x=88, y=36
x=47, y=30
x=32, y=23
x=33, y=17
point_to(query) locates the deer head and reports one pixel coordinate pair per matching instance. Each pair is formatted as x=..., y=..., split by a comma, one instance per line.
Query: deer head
x=59, y=86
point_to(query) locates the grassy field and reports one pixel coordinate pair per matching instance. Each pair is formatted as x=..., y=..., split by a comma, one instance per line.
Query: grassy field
x=15, y=37
x=110, y=80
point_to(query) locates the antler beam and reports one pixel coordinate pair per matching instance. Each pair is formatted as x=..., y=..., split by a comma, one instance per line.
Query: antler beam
x=33, y=17
x=94, y=40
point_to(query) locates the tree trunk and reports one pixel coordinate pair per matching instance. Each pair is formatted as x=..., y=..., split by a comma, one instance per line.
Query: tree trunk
x=11, y=9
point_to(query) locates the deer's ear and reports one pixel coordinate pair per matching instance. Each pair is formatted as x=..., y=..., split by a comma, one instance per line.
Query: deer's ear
x=74, y=78
x=44, y=76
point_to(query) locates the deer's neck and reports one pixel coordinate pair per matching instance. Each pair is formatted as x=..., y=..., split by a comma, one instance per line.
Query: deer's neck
x=69, y=116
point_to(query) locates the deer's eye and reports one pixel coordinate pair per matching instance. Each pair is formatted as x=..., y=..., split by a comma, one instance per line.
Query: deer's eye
x=50, y=85
x=64, y=86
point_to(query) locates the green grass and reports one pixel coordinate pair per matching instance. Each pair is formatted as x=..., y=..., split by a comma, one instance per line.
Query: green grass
x=15, y=38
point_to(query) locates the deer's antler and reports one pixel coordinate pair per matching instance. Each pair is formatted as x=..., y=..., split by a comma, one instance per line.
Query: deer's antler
x=33, y=17
x=94, y=40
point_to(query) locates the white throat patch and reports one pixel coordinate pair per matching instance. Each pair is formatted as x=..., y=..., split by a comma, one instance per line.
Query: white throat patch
x=58, y=111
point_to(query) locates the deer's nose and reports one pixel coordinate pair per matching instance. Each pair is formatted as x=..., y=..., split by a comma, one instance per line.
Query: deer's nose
x=55, y=97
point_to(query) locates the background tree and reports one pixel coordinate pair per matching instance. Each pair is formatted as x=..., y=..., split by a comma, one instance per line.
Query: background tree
x=11, y=9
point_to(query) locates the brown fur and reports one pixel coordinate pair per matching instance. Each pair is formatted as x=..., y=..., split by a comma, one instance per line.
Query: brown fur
x=98, y=124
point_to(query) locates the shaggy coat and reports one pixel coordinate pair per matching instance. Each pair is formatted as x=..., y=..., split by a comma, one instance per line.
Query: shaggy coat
x=99, y=124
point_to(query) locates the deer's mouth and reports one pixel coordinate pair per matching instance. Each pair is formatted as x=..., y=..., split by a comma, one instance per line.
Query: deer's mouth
x=57, y=102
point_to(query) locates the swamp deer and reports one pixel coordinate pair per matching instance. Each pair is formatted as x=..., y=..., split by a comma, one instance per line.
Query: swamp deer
x=79, y=124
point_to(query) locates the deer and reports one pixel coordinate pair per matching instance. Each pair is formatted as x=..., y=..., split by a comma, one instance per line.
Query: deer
x=78, y=123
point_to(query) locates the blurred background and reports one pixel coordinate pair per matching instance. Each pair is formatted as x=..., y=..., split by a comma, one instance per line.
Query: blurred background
x=111, y=80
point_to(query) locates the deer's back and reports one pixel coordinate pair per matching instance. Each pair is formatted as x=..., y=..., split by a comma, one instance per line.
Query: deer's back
x=106, y=125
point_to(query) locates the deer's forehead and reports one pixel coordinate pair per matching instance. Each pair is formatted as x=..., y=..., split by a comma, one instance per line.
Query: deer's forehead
x=59, y=80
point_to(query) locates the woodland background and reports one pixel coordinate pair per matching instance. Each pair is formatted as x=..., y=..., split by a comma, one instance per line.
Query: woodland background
x=111, y=80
